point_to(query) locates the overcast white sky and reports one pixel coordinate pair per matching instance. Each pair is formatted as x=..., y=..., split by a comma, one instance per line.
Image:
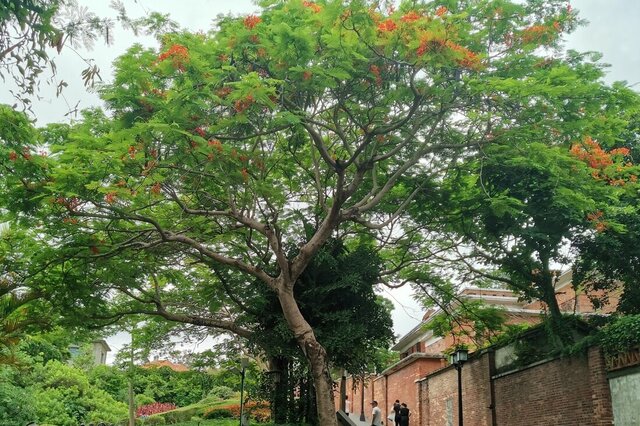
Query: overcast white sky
x=614, y=30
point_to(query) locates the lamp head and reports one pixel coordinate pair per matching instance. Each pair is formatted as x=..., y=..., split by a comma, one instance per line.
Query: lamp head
x=244, y=362
x=460, y=356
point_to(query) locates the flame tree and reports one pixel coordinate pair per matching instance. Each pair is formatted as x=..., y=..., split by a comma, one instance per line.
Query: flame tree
x=308, y=121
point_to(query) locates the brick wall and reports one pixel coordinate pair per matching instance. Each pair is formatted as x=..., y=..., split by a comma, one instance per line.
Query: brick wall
x=355, y=392
x=396, y=383
x=439, y=398
x=561, y=392
x=600, y=391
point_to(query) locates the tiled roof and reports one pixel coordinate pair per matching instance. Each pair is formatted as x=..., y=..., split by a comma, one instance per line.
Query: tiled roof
x=165, y=363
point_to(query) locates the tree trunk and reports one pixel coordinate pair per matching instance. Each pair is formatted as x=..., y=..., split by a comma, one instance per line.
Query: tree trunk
x=559, y=333
x=132, y=404
x=281, y=389
x=316, y=356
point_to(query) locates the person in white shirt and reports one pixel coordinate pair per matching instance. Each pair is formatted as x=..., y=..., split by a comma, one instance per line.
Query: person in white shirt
x=376, y=414
x=347, y=405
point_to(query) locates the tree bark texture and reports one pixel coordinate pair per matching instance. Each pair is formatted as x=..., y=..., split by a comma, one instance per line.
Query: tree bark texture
x=316, y=356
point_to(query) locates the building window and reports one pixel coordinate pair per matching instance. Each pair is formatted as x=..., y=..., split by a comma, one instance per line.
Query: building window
x=74, y=351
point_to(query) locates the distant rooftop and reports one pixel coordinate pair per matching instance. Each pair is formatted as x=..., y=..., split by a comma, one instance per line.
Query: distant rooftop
x=159, y=363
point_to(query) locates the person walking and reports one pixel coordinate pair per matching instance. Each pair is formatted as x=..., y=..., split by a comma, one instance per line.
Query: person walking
x=404, y=415
x=396, y=410
x=347, y=405
x=376, y=414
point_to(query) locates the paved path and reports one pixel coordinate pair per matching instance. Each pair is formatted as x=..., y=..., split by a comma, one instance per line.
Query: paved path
x=356, y=419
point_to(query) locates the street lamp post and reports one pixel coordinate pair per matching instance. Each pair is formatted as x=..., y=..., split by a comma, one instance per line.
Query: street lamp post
x=244, y=362
x=459, y=357
x=362, y=417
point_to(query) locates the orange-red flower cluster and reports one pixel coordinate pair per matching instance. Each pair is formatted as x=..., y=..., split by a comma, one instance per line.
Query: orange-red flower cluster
x=242, y=104
x=110, y=197
x=313, y=6
x=215, y=143
x=174, y=50
x=156, y=188
x=440, y=11
x=464, y=57
x=387, y=26
x=429, y=43
x=467, y=58
x=596, y=219
x=178, y=54
x=158, y=92
x=70, y=203
x=599, y=160
x=592, y=153
x=149, y=167
x=375, y=70
x=410, y=17
x=538, y=34
x=620, y=151
x=26, y=154
x=251, y=21
x=224, y=91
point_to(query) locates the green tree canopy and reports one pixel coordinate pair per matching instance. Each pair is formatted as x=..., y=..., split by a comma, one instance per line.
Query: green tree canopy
x=306, y=122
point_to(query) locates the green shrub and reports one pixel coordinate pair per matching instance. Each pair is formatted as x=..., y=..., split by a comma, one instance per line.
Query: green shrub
x=210, y=400
x=221, y=413
x=181, y=388
x=233, y=410
x=64, y=397
x=258, y=411
x=181, y=414
x=620, y=336
x=15, y=405
x=222, y=392
x=56, y=406
x=142, y=399
x=109, y=379
x=154, y=421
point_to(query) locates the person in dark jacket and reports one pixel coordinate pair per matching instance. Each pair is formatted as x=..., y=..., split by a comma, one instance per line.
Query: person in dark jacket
x=396, y=409
x=404, y=415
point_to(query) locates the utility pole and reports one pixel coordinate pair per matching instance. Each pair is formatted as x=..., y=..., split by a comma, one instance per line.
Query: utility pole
x=362, y=417
x=244, y=363
x=343, y=390
x=132, y=401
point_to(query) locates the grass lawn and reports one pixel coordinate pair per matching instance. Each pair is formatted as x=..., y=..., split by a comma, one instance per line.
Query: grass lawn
x=217, y=422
